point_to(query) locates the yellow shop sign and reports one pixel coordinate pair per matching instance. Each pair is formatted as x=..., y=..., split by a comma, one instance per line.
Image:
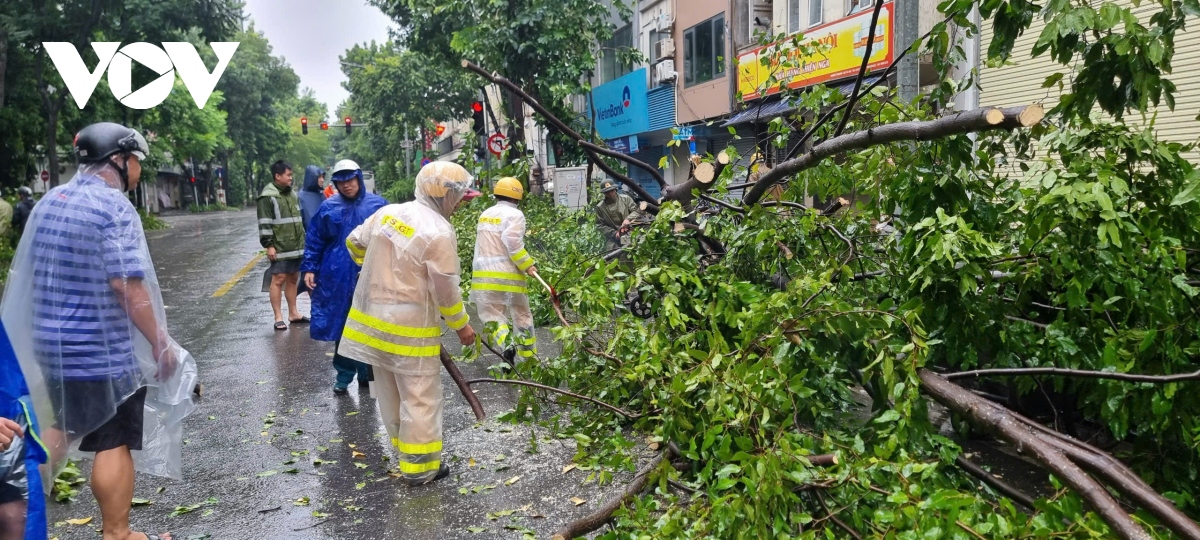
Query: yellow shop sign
x=847, y=41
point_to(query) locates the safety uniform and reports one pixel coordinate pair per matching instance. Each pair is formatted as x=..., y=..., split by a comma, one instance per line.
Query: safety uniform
x=280, y=224
x=498, y=284
x=409, y=279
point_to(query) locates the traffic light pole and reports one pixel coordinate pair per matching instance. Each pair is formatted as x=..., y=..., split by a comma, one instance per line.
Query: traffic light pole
x=487, y=162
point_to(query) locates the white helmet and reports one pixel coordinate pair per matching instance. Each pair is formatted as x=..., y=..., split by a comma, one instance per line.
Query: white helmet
x=346, y=167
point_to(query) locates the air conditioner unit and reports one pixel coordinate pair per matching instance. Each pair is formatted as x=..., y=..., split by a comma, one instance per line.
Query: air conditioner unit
x=664, y=48
x=663, y=21
x=664, y=72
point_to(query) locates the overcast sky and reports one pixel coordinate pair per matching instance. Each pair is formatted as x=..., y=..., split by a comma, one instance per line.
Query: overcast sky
x=311, y=34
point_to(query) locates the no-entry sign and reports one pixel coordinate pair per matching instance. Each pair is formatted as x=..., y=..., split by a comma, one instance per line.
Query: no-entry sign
x=497, y=143
x=45, y=176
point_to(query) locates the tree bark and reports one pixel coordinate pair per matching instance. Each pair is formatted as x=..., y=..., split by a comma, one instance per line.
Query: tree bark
x=1075, y=373
x=3, y=63
x=463, y=387
x=703, y=178
x=917, y=130
x=597, y=519
x=1005, y=425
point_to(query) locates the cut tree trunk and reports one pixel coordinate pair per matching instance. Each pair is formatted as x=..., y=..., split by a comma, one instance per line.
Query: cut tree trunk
x=918, y=130
x=703, y=178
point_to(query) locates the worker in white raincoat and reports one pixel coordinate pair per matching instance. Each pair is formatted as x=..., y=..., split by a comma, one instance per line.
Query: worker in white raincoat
x=498, y=287
x=410, y=279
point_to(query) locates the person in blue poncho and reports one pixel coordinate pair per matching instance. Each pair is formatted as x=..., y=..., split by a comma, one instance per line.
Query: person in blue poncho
x=311, y=195
x=22, y=501
x=328, y=269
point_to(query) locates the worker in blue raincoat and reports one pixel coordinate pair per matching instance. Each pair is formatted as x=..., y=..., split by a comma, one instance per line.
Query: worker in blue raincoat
x=22, y=501
x=310, y=195
x=328, y=269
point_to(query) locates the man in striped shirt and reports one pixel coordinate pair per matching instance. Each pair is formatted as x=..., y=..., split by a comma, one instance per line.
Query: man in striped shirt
x=89, y=294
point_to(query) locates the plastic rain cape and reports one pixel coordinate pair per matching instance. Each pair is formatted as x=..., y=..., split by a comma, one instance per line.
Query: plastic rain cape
x=80, y=349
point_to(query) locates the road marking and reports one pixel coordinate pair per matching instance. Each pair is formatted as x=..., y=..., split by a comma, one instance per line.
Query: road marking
x=238, y=276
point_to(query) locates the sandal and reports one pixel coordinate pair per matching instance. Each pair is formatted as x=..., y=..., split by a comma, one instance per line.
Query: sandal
x=301, y=320
x=280, y=325
x=168, y=536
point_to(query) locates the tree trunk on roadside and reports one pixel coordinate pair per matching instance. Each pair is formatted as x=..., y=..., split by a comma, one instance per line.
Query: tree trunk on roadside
x=3, y=63
x=52, y=109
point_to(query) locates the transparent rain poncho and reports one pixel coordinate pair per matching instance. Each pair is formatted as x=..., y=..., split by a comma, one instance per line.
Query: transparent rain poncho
x=409, y=278
x=85, y=315
x=498, y=285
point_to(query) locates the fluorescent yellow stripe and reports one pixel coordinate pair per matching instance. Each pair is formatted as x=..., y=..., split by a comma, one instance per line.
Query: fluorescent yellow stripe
x=32, y=432
x=394, y=329
x=452, y=310
x=417, y=449
x=498, y=275
x=519, y=255
x=391, y=348
x=523, y=266
x=357, y=254
x=418, y=468
x=501, y=288
x=456, y=323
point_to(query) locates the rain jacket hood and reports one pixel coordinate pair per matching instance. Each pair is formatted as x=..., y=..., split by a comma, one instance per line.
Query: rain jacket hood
x=84, y=240
x=310, y=196
x=326, y=256
x=441, y=185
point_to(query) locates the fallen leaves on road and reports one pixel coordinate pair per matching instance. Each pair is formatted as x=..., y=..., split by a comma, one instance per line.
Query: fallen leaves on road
x=80, y=521
x=569, y=468
x=512, y=480
x=577, y=501
x=302, y=501
x=138, y=501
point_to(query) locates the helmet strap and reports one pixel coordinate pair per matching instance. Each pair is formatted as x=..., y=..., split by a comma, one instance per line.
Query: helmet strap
x=122, y=170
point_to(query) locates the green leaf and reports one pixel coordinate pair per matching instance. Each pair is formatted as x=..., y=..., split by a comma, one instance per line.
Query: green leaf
x=1190, y=191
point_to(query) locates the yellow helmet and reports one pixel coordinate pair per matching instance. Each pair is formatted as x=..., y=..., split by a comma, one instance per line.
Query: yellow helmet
x=509, y=187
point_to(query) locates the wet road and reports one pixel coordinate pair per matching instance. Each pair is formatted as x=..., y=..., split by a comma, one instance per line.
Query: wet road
x=272, y=453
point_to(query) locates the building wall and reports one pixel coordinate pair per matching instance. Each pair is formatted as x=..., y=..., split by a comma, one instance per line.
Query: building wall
x=710, y=99
x=1020, y=83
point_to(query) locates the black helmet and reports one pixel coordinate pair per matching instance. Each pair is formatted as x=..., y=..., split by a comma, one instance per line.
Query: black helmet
x=99, y=141
x=95, y=143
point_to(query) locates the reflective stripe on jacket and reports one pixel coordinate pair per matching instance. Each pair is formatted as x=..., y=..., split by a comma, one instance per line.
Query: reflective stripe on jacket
x=409, y=280
x=498, y=269
x=280, y=224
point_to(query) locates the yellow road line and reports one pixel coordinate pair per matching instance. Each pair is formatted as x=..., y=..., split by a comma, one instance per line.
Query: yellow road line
x=238, y=276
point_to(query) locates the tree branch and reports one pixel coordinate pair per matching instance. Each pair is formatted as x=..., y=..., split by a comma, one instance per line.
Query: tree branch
x=1076, y=373
x=1004, y=424
x=999, y=485
x=597, y=519
x=862, y=70
x=612, y=408
x=463, y=386
x=917, y=130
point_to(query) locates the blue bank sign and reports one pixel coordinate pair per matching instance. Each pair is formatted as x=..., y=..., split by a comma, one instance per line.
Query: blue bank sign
x=621, y=106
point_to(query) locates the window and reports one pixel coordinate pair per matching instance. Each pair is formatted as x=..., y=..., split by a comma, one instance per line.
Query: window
x=816, y=12
x=793, y=19
x=704, y=51
x=859, y=5
x=611, y=66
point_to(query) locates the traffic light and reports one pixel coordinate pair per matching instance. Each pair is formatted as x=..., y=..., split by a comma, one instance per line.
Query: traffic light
x=304, y=125
x=324, y=125
x=477, y=119
x=348, y=125
x=192, y=180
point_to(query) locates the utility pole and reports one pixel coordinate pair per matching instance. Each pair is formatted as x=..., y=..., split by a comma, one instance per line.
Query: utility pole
x=407, y=153
x=907, y=24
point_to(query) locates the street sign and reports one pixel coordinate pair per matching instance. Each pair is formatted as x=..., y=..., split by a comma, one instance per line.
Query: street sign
x=497, y=143
x=685, y=134
x=45, y=176
x=426, y=161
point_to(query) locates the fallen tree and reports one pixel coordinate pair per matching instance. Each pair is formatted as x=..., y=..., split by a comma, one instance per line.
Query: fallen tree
x=940, y=256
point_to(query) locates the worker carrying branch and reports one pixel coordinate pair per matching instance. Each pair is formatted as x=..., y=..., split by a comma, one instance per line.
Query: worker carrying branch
x=498, y=286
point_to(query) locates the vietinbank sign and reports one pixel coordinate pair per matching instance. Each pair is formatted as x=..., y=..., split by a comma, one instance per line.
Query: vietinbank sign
x=620, y=106
x=117, y=61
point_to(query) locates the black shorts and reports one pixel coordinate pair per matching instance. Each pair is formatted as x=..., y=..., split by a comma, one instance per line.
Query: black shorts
x=123, y=429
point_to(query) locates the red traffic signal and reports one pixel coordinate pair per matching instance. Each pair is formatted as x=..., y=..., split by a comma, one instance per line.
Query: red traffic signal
x=324, y=125
x=477, y=121
x=192, y=180
x=304, y=125
x=477, y=107
x=348, y=126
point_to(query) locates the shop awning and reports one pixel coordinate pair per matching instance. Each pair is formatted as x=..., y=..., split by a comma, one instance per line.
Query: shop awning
x=763, y=111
